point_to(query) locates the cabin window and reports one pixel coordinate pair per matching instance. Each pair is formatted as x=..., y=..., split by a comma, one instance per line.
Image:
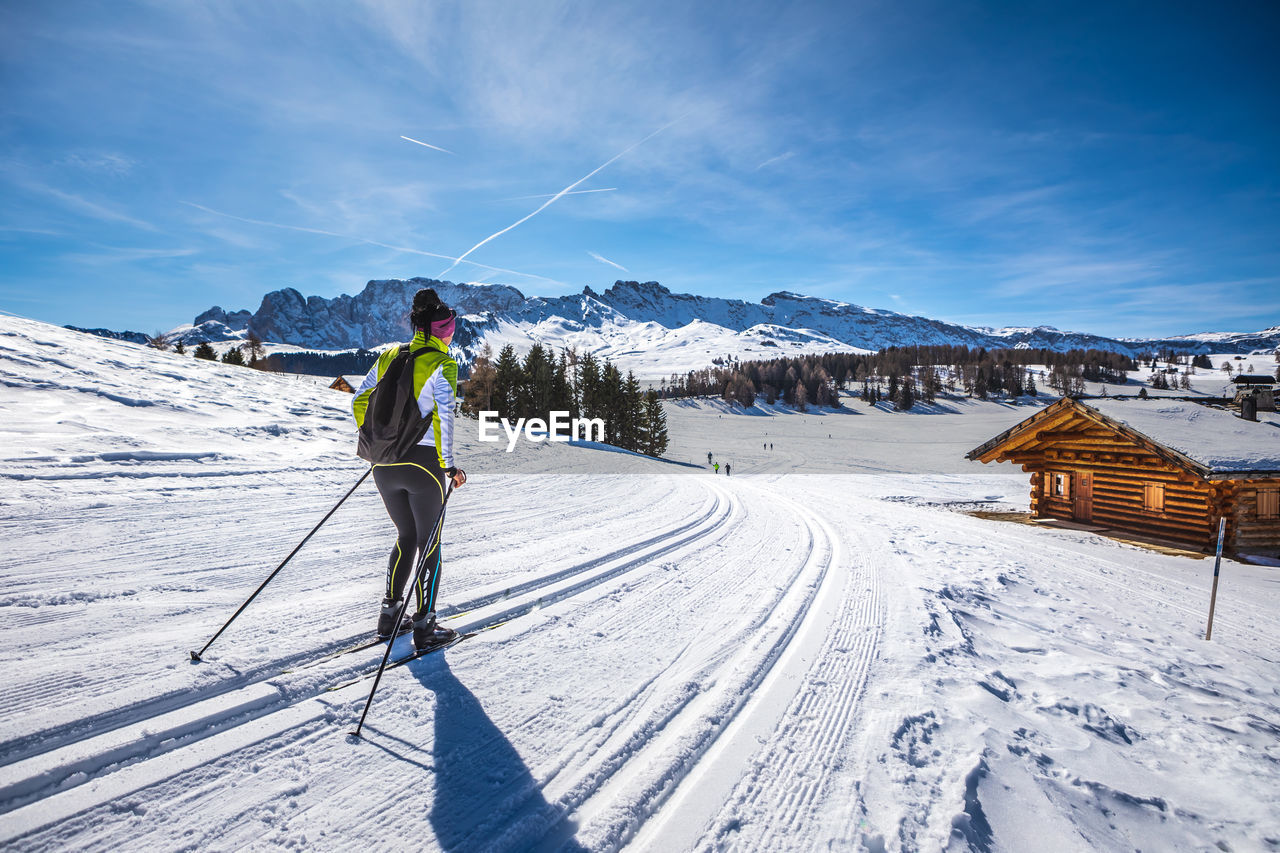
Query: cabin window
x=1153, y=497
x=1268, y=503
x=1060, y=485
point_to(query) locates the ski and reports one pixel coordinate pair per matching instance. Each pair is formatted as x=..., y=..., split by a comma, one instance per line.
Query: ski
x=405, y=628
x=400, y=661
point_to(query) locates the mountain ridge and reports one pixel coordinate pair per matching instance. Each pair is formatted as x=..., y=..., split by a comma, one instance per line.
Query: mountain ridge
x=634, y=319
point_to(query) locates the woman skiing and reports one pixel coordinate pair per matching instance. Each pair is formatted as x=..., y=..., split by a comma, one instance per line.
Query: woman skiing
x=413, y=486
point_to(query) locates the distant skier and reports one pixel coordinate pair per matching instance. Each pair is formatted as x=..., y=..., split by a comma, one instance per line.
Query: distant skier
x=413, y=486
x=716, y=465
x=708, y=457
x=771, y=446
x=726, y=469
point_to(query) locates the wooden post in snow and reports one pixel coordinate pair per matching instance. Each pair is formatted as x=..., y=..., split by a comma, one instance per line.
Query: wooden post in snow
x=1217, y=561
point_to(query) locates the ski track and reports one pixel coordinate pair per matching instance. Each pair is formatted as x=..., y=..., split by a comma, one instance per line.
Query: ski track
x=615, y=801
x=102, y=683
x=39, y=690
x=646, y=741
x=38, y=772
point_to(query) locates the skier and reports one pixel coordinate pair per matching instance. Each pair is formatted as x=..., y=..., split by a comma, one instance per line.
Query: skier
x=413, y=487
x=726, y=469
x=708, y=457
x=717, y=467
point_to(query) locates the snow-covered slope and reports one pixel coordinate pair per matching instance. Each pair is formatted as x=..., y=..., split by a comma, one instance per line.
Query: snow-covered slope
x=633, y=322
x=818, y=652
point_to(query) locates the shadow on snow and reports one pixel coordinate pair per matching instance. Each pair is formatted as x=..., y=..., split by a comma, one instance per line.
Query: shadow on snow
x=486, y=798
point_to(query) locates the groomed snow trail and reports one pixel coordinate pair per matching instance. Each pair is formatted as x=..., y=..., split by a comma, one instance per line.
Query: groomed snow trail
x=607, y=748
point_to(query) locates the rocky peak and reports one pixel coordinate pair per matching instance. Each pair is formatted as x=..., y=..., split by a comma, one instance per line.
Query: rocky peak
x=235, y=320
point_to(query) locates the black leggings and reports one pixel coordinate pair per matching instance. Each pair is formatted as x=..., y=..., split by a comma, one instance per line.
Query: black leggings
x=413, y=492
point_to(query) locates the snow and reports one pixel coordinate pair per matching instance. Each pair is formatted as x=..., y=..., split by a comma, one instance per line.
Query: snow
x=823, y=651
x=653, y=351
x=1218, y=439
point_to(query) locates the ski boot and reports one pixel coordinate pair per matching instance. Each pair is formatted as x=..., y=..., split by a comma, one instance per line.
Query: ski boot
x=427, y=634
x=387, y=618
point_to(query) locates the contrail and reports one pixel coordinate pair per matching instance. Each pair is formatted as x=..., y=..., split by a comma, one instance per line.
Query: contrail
x=557, y=196
x=368, y=242
x=549, y=195
x=427, y=145
x=602, y=259
x=772, y=160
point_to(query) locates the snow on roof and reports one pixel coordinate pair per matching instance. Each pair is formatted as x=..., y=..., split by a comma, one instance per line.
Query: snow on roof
x=1217, y=439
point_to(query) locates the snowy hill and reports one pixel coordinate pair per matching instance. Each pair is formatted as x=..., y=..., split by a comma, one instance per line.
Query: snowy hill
x=644, y=326
x=822, y=651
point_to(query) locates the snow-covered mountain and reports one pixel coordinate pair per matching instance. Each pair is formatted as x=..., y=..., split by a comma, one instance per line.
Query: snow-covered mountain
x=655, y=330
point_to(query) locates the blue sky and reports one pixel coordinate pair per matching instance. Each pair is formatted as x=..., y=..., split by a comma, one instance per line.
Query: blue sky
x=1105, y=167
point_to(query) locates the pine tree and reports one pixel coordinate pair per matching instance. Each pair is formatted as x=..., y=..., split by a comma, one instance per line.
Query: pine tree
x=906, y=396
x=631, y=415
x=253, y=344
x=538, y=372
x=233, y=356
x=611, y=393
x=655, y=426
x=590, y=398
x=180, y=348
x=561, y=387
x=478, y=391
x=206, y=352
x=508, y=384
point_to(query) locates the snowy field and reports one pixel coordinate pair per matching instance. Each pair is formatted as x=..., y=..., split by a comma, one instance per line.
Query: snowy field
x=821, y=651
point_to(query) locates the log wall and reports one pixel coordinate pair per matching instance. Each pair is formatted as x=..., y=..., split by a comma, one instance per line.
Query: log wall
x=1253, y=534
x=1120, y=475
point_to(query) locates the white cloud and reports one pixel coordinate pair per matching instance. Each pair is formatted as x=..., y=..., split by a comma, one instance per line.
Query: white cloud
x=86, y=207
x=113, y=164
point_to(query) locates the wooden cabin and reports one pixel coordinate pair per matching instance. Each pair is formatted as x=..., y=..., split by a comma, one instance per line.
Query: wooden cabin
x=1164, y=468
x=347, y=383
x=1260, y=387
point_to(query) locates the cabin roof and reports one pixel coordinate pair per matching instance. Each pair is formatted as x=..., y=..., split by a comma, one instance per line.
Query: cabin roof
x=1213, y=443
x=1254, y=379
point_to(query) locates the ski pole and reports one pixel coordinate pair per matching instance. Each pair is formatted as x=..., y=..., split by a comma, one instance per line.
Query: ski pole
x=404, y=606
x=196, y=656
x=1217, y=561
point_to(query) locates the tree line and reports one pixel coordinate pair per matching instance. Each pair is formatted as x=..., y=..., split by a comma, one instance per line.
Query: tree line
x=582, y=385
x=252, y=353
x=911, y=374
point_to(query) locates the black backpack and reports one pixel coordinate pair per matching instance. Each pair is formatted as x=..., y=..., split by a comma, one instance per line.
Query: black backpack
x=393, y=423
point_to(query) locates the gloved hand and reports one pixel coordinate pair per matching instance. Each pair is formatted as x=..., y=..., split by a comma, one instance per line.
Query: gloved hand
x=457, y=475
